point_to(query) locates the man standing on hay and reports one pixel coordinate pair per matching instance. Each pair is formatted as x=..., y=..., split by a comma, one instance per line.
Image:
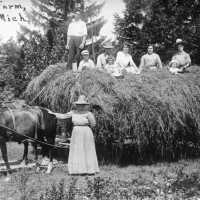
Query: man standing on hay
x=76, y=38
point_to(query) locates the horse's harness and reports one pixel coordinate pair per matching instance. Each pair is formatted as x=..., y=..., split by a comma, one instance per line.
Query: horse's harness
x=14, y=124
x=9, y=134
x=13, y=117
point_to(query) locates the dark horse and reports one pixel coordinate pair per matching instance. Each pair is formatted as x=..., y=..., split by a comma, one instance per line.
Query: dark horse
x=34, y=122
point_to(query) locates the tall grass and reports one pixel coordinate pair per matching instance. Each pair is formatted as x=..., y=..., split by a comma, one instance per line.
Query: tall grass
x=180, y=186
x=159, y=111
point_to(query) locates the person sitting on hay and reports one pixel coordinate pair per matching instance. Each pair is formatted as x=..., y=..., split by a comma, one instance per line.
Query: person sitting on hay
x=82, y=153
x=111, y=67
x=124, y=61
x=86, y=62
x=150, y=60
x=181, y=60
x=102, y=58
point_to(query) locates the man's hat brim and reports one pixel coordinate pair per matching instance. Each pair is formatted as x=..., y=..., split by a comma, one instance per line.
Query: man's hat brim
x=81, y=103
x=180, y=43
x=85, y=53
x=108, y=46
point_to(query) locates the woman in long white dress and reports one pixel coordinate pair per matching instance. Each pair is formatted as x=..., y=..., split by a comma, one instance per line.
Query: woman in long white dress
x=82, y=154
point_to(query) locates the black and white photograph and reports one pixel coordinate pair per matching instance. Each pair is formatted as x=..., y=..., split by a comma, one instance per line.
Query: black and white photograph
x=99, y=99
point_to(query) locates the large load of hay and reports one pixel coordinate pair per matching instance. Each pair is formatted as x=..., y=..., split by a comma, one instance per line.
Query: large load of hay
x=160, y=112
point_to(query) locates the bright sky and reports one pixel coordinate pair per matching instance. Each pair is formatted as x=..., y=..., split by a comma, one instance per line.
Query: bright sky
x=9, y=28
x=110, y=8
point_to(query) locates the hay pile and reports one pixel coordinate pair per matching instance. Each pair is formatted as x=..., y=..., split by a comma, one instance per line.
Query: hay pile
x=159, y=111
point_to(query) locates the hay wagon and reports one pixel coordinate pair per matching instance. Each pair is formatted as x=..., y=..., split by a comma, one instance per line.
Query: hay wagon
x=155, y=114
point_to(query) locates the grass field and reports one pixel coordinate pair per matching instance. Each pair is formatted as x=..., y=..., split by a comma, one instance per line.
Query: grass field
x=180, y=180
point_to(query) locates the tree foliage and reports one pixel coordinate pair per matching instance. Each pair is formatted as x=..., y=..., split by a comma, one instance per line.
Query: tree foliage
x=8, y=60
x=160, y=22
x=59, y=11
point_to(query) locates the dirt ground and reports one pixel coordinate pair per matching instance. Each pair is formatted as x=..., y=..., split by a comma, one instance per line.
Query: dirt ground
x=184, y=174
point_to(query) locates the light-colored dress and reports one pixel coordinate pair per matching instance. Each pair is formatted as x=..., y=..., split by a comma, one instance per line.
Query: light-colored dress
x=125, y=62
x=179, y=61
x=182, y=59
x=82, y=154
x=150, y=61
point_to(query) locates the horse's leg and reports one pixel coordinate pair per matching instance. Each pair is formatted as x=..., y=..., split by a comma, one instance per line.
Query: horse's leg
x=50, y=151
x=5, y=155
x=36, y=156
x=25, y=155
x=35, y=152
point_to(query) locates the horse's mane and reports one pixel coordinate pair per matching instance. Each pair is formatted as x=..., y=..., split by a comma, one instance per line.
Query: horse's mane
x=16, y=104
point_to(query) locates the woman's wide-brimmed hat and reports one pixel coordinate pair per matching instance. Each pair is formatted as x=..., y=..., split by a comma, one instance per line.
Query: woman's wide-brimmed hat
x=179, y=41
x=108, y=45
x=81, y=100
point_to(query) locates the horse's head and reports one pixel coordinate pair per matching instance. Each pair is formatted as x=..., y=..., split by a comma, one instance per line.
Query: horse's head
x=15, y=104
x=45, y=120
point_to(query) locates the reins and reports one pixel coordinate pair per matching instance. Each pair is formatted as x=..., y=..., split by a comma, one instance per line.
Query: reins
x=31, y=139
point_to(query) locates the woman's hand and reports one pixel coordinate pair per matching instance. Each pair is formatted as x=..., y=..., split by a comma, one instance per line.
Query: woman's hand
x=50, y=112
x=81, y=46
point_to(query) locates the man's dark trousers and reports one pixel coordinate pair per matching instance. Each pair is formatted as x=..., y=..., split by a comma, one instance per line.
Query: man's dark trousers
x=74, y=51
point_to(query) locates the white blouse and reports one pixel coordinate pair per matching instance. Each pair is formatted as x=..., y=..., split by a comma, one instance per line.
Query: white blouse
x=77, y=28
x=86, y=118
x=182, y=58
x=150, y=60
x=124, y=60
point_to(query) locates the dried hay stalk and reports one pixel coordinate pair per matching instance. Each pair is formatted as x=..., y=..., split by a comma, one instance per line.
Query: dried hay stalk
x=158, y=110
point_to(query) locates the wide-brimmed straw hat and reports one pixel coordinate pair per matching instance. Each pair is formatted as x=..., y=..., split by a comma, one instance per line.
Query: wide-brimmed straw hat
x=84, y=52
x=108, y=45
x=81, y=100
x=179, y=41
x=77, y=12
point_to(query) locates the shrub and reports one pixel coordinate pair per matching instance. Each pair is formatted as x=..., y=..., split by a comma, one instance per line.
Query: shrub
x=22, y=182
x=101, y=188
x=59, y=192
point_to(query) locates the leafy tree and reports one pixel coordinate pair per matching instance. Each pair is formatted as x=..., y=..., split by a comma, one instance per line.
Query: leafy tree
x=130, y=26
x=8, y=59
x=161, y=22
x=58, y=11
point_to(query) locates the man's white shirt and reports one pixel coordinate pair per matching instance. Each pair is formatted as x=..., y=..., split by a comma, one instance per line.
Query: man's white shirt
x=77, y=28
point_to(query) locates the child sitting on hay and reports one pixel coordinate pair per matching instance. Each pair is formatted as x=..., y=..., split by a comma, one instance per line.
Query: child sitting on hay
x=86, y=62
x=111, y=68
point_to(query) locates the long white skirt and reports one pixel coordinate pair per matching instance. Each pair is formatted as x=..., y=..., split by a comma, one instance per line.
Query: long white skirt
x=82, y=154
